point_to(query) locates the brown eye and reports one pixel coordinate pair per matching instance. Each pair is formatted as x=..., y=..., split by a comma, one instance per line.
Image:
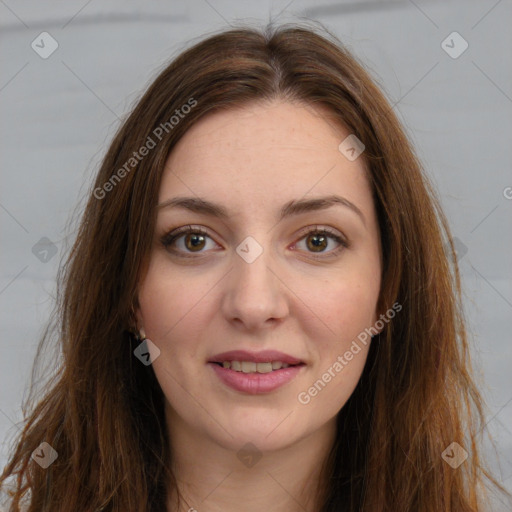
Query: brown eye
x=316, y=242
x=186, y=241
x=194, y=241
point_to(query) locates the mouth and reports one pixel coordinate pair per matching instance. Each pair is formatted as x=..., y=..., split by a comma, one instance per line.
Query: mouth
x=253, y=367
x=255, y=373
x=246, y=357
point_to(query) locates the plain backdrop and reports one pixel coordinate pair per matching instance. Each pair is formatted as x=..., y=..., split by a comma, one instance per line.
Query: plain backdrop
x=59, y=111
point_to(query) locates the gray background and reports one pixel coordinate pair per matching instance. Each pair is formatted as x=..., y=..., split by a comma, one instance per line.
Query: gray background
x=58, y=114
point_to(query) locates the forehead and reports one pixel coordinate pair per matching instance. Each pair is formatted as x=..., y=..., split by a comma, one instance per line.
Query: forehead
x=264, y=153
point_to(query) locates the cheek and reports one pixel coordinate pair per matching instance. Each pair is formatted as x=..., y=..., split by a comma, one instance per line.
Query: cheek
x=173, y=303
x=342, y=308
x=332, y=388
x=348, y=307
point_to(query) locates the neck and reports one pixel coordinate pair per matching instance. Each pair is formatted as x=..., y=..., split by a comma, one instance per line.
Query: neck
x=212, y=477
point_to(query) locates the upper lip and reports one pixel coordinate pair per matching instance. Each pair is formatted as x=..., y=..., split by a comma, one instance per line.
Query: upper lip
x=258, y=357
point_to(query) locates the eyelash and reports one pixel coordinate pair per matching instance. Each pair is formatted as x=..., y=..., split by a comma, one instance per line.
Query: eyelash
x=171, y=237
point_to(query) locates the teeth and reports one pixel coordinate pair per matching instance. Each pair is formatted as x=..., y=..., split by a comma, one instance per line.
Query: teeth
x=264, y=367
x=252, y=367
x=248, y=366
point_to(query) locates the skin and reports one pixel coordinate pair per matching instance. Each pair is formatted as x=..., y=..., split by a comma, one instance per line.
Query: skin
x=252, y=160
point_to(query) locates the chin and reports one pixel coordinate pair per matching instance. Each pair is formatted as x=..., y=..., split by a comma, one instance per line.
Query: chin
x=266, y=433
x=253, y=439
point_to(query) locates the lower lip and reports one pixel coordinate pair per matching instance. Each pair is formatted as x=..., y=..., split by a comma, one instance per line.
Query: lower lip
x=256, y=383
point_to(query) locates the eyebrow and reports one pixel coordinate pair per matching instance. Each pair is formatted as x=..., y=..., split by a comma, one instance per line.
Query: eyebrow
x=290, y=208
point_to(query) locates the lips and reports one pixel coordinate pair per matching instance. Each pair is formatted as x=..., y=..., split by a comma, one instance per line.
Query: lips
x=264, y=356
x=256, y=383
x=255, y=372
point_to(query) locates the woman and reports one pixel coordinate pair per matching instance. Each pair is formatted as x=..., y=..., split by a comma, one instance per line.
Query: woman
x=260, y=309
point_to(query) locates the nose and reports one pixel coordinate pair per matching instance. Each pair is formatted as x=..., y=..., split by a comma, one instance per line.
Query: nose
x=255, y=295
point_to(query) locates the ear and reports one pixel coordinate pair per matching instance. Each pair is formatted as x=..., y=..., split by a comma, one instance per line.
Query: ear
x=137, y=322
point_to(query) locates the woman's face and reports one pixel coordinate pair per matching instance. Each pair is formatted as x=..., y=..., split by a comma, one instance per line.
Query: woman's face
x=261, y=276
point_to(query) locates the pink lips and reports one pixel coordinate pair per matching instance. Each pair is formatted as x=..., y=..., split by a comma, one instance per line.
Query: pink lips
x=257, y=357
x=255, y=383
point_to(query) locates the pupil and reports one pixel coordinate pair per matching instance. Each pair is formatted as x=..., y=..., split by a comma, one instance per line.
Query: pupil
x=319, y=242
x=196, y=240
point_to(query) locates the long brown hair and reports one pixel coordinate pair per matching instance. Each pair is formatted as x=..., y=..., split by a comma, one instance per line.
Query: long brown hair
x=102, y=411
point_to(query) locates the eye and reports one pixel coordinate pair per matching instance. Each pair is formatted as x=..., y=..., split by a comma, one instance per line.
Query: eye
x=317, y=240
x=193, y=239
